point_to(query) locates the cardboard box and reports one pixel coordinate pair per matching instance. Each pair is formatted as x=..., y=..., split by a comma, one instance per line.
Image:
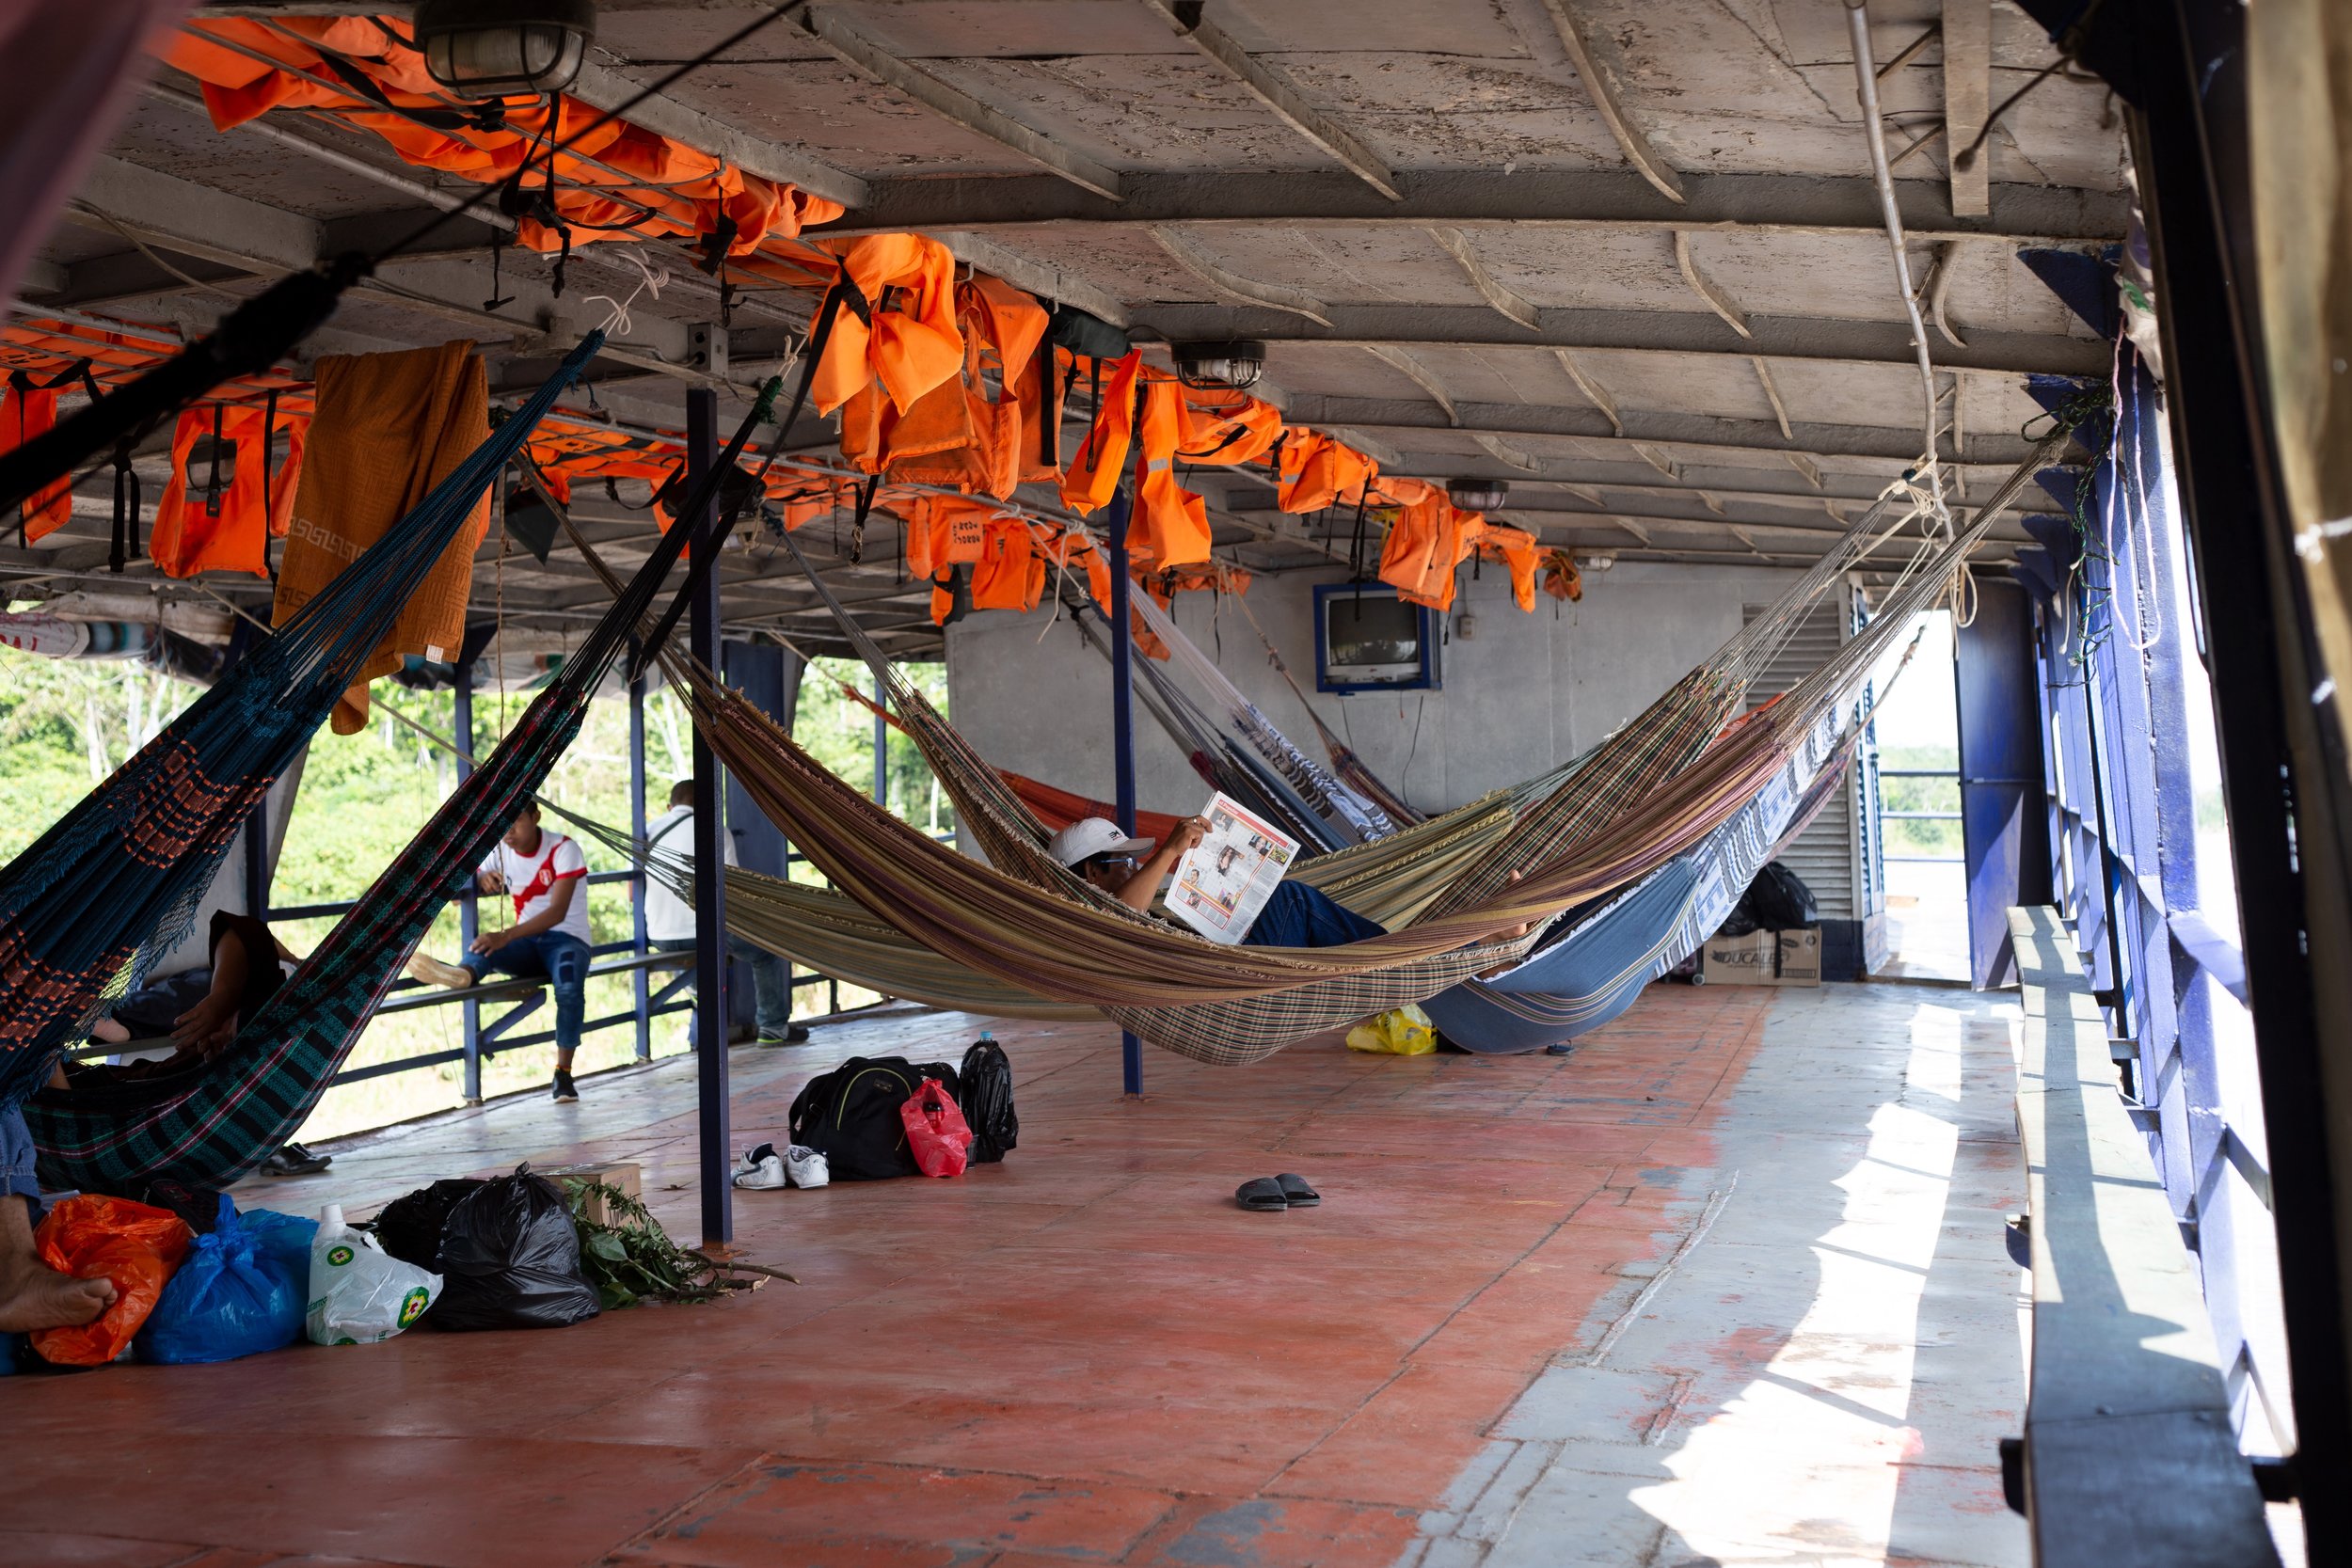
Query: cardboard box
x=622, y=1174
x=1763, y=958
x=1746, y=961
x=1800, y=957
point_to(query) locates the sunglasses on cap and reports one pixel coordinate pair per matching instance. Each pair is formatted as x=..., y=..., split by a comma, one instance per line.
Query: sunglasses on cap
x=1107, y=862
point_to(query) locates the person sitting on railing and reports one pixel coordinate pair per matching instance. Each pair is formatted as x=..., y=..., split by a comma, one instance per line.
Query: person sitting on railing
x=197, y=1012
x=544, y=873
x=670, y=920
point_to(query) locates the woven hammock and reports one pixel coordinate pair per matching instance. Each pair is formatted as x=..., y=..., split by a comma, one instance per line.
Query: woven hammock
x=216, y=1121
x=117, y=879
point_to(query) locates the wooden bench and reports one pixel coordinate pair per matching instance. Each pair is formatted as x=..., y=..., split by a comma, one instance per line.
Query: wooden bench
x=2129, y=1455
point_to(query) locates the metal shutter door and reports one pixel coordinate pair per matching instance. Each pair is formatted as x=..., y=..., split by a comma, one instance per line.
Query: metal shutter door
x=1823, y=854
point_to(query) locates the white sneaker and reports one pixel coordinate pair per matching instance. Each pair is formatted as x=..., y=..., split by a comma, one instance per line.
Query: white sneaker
x=761, y=1171
x=807, y=1168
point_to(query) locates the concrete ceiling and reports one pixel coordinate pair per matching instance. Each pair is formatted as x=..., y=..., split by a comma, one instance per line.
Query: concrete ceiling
x=1650, y=290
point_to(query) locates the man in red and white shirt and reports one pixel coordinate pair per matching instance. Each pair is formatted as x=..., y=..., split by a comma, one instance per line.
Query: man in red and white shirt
x=547, y=875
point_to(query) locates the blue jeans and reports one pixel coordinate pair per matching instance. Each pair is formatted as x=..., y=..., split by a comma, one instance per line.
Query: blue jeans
x=771, y=987
x=1302, y=916
x=16, y=1158
x=561, y=959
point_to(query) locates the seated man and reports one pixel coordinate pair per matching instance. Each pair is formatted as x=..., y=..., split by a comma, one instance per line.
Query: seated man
x=670, y=920
x=32, y=1294
x=1296, y=915
x=544, y=873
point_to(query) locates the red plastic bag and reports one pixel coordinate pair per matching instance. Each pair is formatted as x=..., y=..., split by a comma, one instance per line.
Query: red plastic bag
x=136, y=1247
x=935, y=1129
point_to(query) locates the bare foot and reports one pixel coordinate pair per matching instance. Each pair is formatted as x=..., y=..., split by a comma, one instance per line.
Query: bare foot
x=106, y=1029
x=34, y=1297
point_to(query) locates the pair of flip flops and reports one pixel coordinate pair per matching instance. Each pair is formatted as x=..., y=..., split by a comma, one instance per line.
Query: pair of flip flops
x=1269, y=1192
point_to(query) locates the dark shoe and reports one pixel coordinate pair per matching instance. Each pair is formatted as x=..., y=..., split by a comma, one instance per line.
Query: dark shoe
x=565, y=1093
x=293, y=1160
x=793, y=1035
x=1263, y=1194
x=1297, y=1193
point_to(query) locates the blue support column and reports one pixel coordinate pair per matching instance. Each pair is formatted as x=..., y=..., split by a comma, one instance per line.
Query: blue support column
x=469, y=912
x=710, y=921
x=640, y=990
x=1124, y=730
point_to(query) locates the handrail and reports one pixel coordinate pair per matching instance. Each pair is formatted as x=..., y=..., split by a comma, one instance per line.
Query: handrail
x=2129, y=1455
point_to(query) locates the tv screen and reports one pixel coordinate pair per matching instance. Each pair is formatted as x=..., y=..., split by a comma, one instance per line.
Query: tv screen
x=1374, y=632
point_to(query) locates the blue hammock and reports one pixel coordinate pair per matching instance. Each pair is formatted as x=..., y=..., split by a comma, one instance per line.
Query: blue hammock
x=1591, y=974
x=215, y=1121
x=117, y=879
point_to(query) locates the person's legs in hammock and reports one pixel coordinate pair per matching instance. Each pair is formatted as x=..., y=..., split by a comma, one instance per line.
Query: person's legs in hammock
x=1298, y=915
x=32, y=1294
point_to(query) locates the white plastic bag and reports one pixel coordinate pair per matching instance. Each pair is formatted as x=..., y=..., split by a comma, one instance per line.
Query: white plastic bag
x=358, y=1295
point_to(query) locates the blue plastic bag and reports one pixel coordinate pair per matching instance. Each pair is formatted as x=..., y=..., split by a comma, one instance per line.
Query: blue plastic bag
x=241, y=1291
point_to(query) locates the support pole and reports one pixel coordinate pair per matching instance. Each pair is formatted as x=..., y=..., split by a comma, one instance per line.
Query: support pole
x=1124, y=730
x=257, y=862
x=640, y=989
x=710, y=921
x=468, y=911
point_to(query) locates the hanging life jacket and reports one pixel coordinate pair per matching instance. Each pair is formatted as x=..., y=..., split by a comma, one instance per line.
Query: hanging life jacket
x=239, y=500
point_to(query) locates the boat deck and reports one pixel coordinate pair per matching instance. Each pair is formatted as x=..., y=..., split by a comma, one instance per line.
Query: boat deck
x=1726, y=1285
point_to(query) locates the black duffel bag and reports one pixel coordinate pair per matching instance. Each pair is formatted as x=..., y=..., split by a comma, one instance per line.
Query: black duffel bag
x=851, y=1116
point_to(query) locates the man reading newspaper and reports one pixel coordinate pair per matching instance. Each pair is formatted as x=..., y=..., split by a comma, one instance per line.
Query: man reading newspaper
x=1244, y=900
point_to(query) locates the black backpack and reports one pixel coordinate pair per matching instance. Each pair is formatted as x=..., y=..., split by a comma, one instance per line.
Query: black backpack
x=851, y=1116
x=987, y=1102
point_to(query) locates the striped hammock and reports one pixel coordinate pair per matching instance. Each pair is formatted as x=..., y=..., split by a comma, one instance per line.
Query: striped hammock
x=215, y=1121
x=117, y=882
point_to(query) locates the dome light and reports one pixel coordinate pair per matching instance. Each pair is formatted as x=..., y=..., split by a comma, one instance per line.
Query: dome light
x=504, y=48
x=1478, y=495
x=1236, y=364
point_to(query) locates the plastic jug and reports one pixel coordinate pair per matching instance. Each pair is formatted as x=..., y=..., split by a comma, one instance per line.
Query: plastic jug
x=358, y=1295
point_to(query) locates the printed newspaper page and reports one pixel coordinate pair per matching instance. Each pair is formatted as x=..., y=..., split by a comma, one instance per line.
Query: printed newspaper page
x=1225, y=879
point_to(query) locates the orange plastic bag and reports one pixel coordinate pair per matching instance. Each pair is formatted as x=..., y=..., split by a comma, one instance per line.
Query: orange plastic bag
x=136, y=1247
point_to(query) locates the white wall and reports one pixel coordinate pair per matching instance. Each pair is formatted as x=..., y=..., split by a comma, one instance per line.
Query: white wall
x=1526, y=692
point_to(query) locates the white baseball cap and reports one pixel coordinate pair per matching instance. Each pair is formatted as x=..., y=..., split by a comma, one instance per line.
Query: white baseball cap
x=1090, y=836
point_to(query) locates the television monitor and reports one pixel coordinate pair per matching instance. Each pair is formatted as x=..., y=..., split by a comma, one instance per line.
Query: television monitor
x=1367, y=639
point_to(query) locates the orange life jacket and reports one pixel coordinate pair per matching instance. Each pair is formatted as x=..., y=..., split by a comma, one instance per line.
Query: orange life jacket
x=1317, y=471
x=1424, y=547
x=1010, y=575
x=1516, y=548
x=956, y=434
x=1224, y=429
x=1562, y=581
x=1170, y=526
x=31, y=411
x=1091, y=477
x=196, y=530
x=907, y=338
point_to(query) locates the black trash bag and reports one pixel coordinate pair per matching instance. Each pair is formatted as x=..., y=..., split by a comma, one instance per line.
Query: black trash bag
x=409, y=1229
x=510, y=1258
x=987, y=1102
x=1780, y=901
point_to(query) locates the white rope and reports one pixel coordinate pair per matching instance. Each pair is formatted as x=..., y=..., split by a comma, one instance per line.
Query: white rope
x=651, y=279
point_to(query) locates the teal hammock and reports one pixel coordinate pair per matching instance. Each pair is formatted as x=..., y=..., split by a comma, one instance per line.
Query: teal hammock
x=215, y=1121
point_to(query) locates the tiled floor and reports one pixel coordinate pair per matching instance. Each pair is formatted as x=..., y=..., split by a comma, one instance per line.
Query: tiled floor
x=1723, y=1286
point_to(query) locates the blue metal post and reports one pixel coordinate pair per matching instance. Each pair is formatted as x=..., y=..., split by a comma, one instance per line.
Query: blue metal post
x=1124, y=730
x=638, y=986
x=468, y=913
x=710, y=919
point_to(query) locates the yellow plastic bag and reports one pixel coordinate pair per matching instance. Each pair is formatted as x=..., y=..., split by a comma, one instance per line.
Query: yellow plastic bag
x=1403, y=1032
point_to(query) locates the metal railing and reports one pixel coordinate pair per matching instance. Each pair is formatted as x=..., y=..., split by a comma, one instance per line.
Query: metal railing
x=1886, y=816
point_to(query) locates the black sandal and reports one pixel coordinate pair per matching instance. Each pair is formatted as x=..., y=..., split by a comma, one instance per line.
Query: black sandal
x=1297, y=1193
x=1261, y=1193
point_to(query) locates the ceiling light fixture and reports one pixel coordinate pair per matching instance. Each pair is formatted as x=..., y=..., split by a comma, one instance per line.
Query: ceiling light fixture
x=1236, y=364
x=504, y=48
x=1478, y=495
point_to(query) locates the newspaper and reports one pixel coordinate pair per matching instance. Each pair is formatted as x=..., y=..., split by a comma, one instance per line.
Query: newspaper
x=1226, y=878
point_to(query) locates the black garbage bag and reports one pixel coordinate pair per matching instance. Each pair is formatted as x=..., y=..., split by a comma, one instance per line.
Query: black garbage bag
x=409, y=1229
x=987, y=1078
x=510, y=1258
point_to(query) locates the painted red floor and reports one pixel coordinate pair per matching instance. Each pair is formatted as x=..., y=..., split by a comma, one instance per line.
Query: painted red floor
x=1084, y=1355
